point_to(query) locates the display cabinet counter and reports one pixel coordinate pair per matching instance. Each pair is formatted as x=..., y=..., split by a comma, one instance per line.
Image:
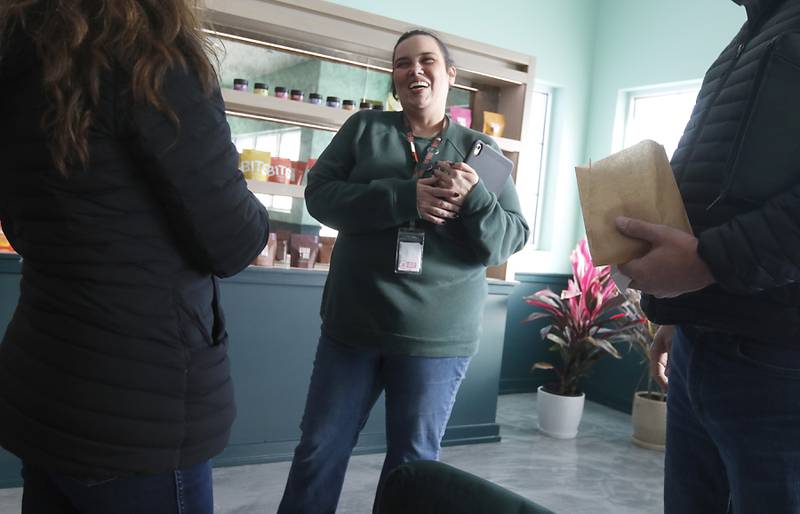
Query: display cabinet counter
x=273, y=322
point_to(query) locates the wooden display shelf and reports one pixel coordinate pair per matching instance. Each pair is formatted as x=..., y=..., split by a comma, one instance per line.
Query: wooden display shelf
x=323, y=24
x=243, y=103
x=508, y=144
x=279, y=110
x=501, y=80
x=275, y=188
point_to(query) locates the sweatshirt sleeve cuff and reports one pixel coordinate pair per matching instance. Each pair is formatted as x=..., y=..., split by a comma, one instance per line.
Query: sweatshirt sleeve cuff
x=477, y=199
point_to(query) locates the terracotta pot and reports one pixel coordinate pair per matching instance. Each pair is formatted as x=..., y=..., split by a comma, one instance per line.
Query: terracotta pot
x=649, y=419
x=559, y=416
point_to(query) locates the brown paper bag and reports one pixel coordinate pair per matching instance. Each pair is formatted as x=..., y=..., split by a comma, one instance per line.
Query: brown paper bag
x=636, y=182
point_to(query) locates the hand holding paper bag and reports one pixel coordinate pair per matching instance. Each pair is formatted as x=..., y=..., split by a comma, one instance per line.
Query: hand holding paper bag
x=635, y=218
x=637, y=183
x=671, y=267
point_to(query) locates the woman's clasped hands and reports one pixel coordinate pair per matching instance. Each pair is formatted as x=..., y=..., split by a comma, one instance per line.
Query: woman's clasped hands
x=440, y=196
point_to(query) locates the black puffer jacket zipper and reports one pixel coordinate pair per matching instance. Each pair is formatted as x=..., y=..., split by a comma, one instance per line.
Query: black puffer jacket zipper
x=730, y=165
x=745, y=38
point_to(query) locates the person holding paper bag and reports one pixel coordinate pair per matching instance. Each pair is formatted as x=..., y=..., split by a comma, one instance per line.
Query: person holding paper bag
x=404, y=297
x=730, y=293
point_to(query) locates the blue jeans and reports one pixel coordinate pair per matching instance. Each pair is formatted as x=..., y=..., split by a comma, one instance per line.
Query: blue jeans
x=733, y=426
x=185, y=491
x=345, y=384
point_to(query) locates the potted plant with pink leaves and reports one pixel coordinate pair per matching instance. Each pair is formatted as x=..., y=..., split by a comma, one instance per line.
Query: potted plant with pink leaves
x=586, y=324
x=649, y=413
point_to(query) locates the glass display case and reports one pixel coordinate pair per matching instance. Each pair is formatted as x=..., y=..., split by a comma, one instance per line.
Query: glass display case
x=312, y=58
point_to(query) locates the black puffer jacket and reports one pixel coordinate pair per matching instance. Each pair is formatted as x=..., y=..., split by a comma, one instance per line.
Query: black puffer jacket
x=115, y=359
x=738, y=169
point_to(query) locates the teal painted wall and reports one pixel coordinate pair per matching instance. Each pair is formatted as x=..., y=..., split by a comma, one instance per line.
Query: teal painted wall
x=651, y=42
x=523, y=343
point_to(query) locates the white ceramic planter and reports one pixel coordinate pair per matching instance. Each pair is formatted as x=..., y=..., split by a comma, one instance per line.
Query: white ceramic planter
x=559, y=416
x=649, y=418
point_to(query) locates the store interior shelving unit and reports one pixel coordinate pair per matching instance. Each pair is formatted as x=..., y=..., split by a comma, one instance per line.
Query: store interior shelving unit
x=501, y=80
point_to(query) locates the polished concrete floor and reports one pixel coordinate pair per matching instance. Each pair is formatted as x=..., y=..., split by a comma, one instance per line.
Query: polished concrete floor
x=598, y=472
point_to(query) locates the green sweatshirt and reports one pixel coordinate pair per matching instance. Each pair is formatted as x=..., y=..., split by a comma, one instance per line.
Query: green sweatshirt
x=363, y=185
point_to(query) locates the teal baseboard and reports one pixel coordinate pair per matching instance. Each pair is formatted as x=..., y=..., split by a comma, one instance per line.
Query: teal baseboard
x=616, y=402
x=519, y=385
x=10, y=467
x=261, y=453
x=242, y=454
x=472, y=434
x=621, y=401
x=272, y=360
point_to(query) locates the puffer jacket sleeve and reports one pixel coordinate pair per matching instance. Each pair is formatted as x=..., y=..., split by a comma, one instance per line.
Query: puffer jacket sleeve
x=756, y=250
x=193, y=170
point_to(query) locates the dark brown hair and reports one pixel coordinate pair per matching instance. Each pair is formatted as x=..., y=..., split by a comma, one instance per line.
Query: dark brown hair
x=76, y=40
x=448, y=60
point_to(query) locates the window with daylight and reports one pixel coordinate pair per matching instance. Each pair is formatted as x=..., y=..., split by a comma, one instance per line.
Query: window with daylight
x=284, y=143
x=275, y=202
x=281, y=143
x=529, y=184
x=659, y=114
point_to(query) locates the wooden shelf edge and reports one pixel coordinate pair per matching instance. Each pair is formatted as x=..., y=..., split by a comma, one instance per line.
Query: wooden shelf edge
x=290, y=111
x=360, y=32
x=508, y=144
x=275, y=188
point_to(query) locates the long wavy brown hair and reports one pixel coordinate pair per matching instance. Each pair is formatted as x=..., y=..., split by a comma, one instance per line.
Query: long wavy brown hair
x=76, y=40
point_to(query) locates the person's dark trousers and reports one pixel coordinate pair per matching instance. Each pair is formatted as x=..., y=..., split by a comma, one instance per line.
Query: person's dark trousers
x=733, y=426
x=185, y=491
x=345, y=384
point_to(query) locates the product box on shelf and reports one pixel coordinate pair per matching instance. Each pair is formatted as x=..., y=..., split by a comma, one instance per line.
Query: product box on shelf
x=267, y=255
x=325, y=249
x=494, y=123
x=461, y=115
x=285, y=171
x=283, y=256
x=255, y=164
x=304, y=249
x=280, y=171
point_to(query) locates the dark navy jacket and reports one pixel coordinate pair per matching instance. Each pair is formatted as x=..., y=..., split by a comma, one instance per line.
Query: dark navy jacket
x=115, y=361
x=738, y=170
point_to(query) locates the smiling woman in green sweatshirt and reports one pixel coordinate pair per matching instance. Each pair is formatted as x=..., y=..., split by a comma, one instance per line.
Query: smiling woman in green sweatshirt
x=404, y=297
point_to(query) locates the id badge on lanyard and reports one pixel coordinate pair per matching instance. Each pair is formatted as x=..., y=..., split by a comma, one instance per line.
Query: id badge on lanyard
x=410, y=245
x=411, y=240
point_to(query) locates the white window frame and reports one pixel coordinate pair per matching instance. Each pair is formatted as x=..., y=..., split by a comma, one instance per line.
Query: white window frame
x=627, y=99
x=543, y=160
x=531, y=187
x=269, y=201
x=278, y=133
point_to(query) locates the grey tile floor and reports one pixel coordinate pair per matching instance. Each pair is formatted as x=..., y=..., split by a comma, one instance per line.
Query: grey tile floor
x=598, y=472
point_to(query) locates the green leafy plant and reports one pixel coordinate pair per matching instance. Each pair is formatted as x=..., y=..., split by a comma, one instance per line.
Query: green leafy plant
x=641, y=337
x=586, y=321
